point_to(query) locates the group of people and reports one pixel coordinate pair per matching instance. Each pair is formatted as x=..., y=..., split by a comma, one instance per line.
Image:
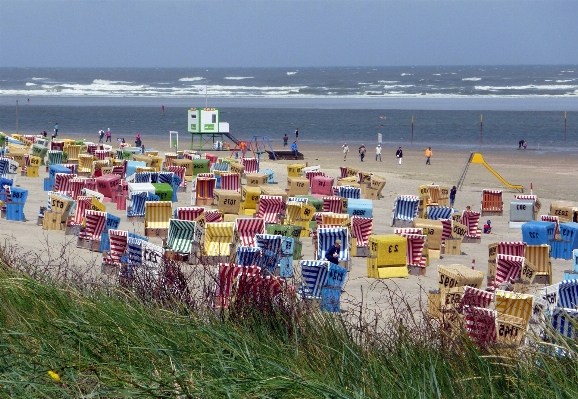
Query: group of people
x=294, y=144
x=398, y=154
x=101, y=135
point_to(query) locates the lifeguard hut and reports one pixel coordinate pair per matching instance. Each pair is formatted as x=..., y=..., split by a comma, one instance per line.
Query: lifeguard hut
x=205, y=124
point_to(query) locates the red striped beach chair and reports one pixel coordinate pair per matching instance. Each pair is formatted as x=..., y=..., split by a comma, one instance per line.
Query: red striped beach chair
x=180, y=172
x=230, y=181
x=415, y=246
x=269, y=207
x=333, y=204
x=189, y=212
x=62, y=183
x=311, y=174
x=475, y=297
x=228, y=280
x=508, y=269
x=481, y=324
x=250, y=165
x=213, y=216
x=471, y=220
x=362, y=229
x=247, y=228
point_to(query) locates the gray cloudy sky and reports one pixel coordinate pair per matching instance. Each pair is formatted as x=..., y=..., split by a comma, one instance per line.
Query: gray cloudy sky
x=269, y=33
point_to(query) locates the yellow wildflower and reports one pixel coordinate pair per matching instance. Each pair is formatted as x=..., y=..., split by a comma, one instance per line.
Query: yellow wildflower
x=54, y=375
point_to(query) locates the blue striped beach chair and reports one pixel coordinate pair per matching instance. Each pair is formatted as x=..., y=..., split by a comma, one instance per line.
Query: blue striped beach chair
x=326, y=238
x=180, y=236
x=568, y=294
x=221, y=167
x=165, y=177
x=143, y=177
x=439, y=212
x=349, y=192
x=247, y=256
x=405, y=209
x=563, y=320
x=134, y=249
x=139, y=200
x=55, y=157
x=313, y=278
x=270, y=245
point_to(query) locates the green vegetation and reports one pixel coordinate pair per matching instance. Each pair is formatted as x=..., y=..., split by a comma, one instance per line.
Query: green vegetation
x=57, y=341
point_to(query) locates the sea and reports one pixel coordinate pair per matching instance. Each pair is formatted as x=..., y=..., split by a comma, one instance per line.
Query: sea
x=459, y=107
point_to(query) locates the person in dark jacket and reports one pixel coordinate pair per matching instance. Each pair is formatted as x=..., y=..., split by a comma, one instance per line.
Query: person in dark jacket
x=332, y=255
x=399, y=155
x=453, y=192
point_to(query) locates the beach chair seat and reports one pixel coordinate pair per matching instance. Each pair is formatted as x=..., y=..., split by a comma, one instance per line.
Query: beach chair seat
x=85, y=164
x=157, y=216
x=89, y=238
x=313, y=278
x=204, y=190
x=111, y=260
x=180, y=236
x=219, y=239
x=326, y=238
x=55, y=157
x=434, y=192
x=405, y=209
x=269, y=208
x=247, y=228
x=72, y=152
x=415, y=247
x=515, y=304
x=539, y=256
x=492, y=203
x=362, y=229
x=508, y=269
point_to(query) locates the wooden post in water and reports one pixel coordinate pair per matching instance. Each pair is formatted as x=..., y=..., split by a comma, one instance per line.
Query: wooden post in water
x=411, y=141
x=480, y=128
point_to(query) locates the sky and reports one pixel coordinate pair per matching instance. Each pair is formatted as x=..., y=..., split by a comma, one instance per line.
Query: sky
x=283, y=33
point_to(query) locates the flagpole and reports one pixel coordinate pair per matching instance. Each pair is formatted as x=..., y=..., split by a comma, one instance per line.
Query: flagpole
x=411, y=129
x=480, y=128
x=564, y=125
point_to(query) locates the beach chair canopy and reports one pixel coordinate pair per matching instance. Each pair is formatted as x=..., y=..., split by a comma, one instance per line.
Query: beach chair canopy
x=269, y=207
x=314, y=277
x=471, y=220
x=508, y=268
x=481, y=324
x=218, y=238
x=435, y=212
x=95, y=224
x=228, y=280
x=415, y=245
x=515, y=304
x=362, y=229
x=157, y=214
x=247, y=256
x=564, y=321
x=118, y=244
x=405, y=208
x=568, y=294
x=270, y=246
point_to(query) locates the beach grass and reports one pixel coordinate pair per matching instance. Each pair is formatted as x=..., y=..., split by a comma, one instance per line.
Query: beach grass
x=58, y=340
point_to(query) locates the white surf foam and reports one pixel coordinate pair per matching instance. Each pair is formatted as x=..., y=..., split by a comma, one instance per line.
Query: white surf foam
x=291, y=73
x=195, y=79
x=238, y=77
x=472, y=79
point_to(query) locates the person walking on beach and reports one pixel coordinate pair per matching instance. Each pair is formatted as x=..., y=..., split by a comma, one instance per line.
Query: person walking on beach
x=55, y=130
x=345, y=151
x=243, y=148
x=296, y=134
x=453, y=192
x=108, y=136
x=285, y=140
x=100, y=135
x=399, y=155
x=362, y=151
x=428, y=154
x=137, y=140
x=378, y=152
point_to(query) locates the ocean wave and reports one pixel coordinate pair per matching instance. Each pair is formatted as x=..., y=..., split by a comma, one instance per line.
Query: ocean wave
x=388, y=81
x=563, y=80
x=528, y=87
x=31, y=84
x=109, y=82
x=291, y=73
x=406, y=74
x=39, y=78
x=472, y=79
x=195, y=79
x=238, y=77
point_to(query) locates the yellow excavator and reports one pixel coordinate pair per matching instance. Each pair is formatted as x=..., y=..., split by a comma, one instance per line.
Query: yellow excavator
x=476, y=157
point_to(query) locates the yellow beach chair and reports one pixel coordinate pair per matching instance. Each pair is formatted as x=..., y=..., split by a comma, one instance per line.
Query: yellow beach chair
x=219, y=241
x=157, y=215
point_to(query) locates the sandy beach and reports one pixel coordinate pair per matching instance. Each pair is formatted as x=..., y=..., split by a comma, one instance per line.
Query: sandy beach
x=549, y=174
